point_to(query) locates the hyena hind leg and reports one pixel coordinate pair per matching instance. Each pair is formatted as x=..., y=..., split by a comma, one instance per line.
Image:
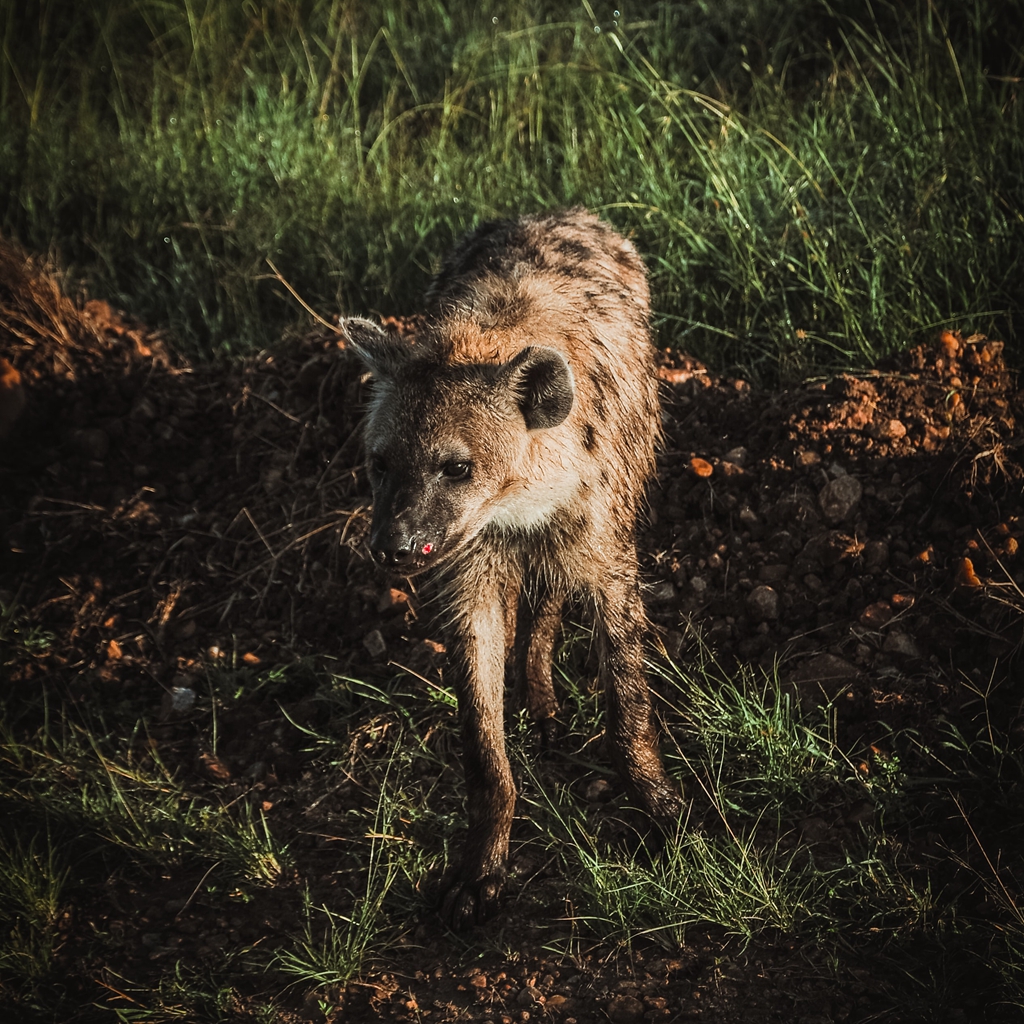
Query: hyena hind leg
x=632, y=739
x=538, y=622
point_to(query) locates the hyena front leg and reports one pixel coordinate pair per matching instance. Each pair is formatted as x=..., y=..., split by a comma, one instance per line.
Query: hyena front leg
x=537, y=624
x=477, y=662
x=622, y=626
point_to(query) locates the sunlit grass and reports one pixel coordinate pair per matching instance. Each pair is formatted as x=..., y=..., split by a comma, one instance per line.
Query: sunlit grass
x=826, y=201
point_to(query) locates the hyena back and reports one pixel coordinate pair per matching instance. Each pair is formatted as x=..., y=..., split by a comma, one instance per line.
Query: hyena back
x=508, y=446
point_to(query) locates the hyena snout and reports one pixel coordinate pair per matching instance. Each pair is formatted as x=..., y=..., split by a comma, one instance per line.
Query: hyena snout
x=400, y=543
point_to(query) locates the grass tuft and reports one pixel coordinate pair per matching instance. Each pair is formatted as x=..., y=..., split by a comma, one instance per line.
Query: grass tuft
x=812, y=184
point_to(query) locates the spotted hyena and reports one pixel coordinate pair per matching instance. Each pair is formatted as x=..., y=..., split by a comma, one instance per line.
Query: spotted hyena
x=508, y=447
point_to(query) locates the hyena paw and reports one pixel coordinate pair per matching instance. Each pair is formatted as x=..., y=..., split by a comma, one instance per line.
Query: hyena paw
x=665, y=803
x=465, y=903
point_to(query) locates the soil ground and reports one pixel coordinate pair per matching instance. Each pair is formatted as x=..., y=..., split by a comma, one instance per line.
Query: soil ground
x=159, y=517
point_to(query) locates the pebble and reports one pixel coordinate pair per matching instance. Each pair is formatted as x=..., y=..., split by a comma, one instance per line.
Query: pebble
x=375, y=643
x=763, y=604
x=901, y=645
x=876, y=555
x=529, y=995
x=876, y=615
x=178, y=700
x=625, y=1010
x=392, y=599
x=825, y=668
x=839, y=498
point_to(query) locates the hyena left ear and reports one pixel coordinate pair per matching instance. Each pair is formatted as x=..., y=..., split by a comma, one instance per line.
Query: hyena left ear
x=541, y=381
x=377, y=348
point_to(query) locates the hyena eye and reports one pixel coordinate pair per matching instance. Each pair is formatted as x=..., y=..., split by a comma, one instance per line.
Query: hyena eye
x=457, y=470
x=377, y=465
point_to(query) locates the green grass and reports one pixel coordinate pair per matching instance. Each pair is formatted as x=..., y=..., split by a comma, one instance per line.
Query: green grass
x=757, y=769
x=90, y=804
x=811, y=184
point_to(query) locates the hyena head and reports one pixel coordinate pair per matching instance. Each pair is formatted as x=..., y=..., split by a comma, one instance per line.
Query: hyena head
x=447, y=442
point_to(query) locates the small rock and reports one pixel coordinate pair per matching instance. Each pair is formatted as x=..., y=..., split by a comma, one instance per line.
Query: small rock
x=798, y=510
x=178, y=700
x=965, y=575
x=749, y=518
x=625, y=1010
x=876, y=615
x=732, y=472
x=375, y=643
x=772, y=573
x=662, y=593
x=737, y=456
x=597, y=791
x=888, y=430
x=393, y=599
x=934, y=437
x=530, y=995
x=763, y=604
x=926, y=556
x=839, y=498
x=825, y=668
x=699, y=587
x=215, y=769
x=876, y=555
x=901, y=645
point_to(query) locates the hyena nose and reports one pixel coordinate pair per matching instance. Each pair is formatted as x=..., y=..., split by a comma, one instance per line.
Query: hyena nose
x=396, y=550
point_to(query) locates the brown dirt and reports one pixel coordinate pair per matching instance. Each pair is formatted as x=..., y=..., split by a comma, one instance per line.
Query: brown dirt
x=161, y=518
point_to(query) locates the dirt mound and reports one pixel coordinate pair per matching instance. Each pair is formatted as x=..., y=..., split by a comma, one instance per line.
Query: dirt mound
x=861, y=526
x=160, y=518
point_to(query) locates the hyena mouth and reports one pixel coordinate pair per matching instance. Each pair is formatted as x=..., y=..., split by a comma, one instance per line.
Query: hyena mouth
x=410, y=555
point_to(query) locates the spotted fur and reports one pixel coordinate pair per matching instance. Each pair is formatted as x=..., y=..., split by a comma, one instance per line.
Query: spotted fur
x=509, y=445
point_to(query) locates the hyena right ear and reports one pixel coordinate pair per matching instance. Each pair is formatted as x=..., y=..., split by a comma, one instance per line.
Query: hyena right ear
x=379, y=349
x=542, y=383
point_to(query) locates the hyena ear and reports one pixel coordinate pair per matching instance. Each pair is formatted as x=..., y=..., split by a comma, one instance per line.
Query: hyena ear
x=380, y=350
x=541, y=381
